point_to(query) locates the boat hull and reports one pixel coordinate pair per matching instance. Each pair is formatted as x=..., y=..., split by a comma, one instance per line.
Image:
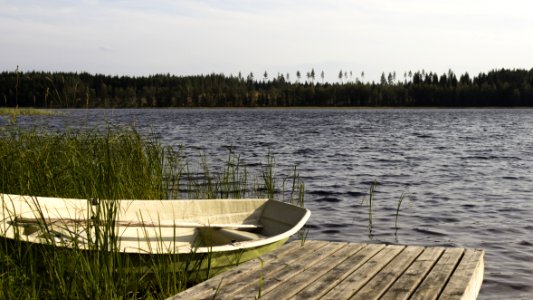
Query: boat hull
x=180, y=235
x=196, y=267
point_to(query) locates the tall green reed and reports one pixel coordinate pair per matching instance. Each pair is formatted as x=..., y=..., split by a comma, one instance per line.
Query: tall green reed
x=398, y=210
x=108, y=165
x=371, y=202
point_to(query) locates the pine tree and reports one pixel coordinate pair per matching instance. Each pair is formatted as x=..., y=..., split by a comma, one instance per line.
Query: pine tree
x=383, y=79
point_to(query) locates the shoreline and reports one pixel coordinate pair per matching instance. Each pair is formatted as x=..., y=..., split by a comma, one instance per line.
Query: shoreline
x=49, y=111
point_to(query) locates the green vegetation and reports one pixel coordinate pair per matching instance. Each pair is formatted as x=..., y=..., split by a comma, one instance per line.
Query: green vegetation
x=25, y=111
x=371, y=201
x=398, y=211
x=108, y=164
x=503, y=87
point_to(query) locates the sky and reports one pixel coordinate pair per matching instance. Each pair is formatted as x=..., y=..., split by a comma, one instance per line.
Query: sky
x=190, y=37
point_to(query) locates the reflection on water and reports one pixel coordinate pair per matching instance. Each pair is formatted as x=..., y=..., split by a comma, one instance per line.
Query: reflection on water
x=467, y=174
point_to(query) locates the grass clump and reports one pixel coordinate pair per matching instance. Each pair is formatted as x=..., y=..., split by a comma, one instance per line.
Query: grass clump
x=108, y=165
x=26, y=111
x=115, y=163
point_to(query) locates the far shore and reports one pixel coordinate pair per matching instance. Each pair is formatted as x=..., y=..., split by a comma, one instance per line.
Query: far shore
x=26, y=111
x=54, y=111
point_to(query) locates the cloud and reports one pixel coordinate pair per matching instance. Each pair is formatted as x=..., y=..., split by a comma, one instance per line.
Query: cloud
x=105, y=49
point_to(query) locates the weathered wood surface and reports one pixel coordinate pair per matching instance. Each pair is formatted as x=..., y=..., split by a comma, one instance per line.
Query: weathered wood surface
x=331, y=270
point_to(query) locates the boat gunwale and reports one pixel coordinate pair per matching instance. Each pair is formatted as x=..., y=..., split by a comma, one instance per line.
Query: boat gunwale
x=241, y=245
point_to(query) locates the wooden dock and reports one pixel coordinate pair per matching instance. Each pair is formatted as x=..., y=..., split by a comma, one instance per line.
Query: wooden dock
x=332, y=270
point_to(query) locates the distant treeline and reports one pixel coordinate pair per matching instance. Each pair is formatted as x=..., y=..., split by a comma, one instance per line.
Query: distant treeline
x=80, y=90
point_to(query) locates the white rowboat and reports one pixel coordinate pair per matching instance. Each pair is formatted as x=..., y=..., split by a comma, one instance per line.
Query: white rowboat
x=230, y=230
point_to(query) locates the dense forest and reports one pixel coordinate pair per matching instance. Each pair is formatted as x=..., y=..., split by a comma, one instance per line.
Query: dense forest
x=502, y=87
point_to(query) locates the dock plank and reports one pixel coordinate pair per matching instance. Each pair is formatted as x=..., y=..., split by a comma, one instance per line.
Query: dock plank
x=208, y=288
x=436, y=280
x=413, y=276
x=466, y=280
x=296, y=283
x=271, y=279
x=333, y=270
x=318, y=288
x=356, y=280
x=379, y=284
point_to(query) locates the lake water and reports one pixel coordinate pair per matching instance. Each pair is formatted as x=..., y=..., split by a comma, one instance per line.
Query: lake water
x=467, y=175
